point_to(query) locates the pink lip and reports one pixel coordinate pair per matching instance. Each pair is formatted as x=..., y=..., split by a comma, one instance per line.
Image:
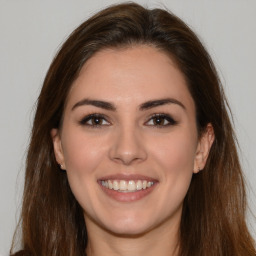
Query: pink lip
x=127, y=196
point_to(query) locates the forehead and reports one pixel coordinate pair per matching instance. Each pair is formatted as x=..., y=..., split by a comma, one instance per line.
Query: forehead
x=136, y=74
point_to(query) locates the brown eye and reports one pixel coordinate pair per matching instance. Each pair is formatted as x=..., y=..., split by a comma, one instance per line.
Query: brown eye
x=95, y=120
x=161, y=120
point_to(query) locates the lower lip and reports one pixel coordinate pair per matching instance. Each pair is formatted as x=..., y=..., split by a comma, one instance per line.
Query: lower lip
x=128, y=196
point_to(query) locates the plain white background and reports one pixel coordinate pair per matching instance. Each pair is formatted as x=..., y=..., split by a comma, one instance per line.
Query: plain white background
x=31, y=32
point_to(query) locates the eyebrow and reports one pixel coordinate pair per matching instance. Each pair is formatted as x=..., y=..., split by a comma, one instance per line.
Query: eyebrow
x=96, y=103
x=155, y=103
x=144, y=106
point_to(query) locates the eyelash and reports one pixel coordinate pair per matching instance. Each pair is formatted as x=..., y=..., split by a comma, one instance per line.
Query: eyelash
x=102, y=118
x=85, y=120
x=164, y=117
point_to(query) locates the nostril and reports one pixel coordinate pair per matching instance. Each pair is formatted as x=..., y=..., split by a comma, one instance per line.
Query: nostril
x=127, y=147
x=126, y=159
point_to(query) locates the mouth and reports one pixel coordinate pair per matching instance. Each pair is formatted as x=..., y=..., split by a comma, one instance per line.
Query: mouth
x=127, y=188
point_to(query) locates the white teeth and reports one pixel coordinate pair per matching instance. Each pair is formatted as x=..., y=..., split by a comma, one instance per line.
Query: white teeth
x=104, y=183
x=150, y=183
x=144, y=184
x=131, y=185
x=127, y=186
x=139, y=185
x=115, y=185
x=110, y=185
x=123, y=185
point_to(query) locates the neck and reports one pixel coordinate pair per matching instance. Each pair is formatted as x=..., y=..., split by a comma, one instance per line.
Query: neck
x=160, y=241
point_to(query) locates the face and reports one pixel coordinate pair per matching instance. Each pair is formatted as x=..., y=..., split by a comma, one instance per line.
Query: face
x=129, y=141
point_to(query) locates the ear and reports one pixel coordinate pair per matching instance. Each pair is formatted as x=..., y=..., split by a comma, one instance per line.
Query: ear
x=203, y=148
x=58, y=148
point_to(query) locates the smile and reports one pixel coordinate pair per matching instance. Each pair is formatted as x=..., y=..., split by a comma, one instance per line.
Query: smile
x=127, y=186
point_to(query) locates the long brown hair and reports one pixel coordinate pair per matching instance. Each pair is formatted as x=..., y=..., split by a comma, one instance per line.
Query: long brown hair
x=213, y=217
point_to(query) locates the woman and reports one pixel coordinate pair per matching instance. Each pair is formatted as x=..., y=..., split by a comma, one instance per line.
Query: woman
x=132, y=150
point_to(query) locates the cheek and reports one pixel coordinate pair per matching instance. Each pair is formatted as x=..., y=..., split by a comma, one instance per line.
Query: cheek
x=176, y=154
x=175, y=158
x=82, y=158
x=82, y=154
x=175, y=161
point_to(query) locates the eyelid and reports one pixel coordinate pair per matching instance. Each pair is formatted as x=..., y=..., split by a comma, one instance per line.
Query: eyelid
x=168, y=117
x=87, y=118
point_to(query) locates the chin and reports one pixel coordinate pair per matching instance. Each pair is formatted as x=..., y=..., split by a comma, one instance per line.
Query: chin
x=129, y=226
x=128, y=230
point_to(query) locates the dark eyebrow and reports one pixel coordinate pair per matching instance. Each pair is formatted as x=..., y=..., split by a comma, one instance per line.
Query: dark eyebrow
x=144, y=106
x=155, y=103
x=96, y=103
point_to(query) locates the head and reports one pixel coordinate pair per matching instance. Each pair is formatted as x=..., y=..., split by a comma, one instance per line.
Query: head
x=122, y=28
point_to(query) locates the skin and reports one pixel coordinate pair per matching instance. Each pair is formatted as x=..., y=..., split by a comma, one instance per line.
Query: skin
x=128, y=141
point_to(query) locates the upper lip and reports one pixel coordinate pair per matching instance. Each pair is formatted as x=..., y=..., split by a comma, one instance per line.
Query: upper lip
x=127, y=177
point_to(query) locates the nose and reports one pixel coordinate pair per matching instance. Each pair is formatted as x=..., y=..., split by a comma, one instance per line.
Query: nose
x=127, y=147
